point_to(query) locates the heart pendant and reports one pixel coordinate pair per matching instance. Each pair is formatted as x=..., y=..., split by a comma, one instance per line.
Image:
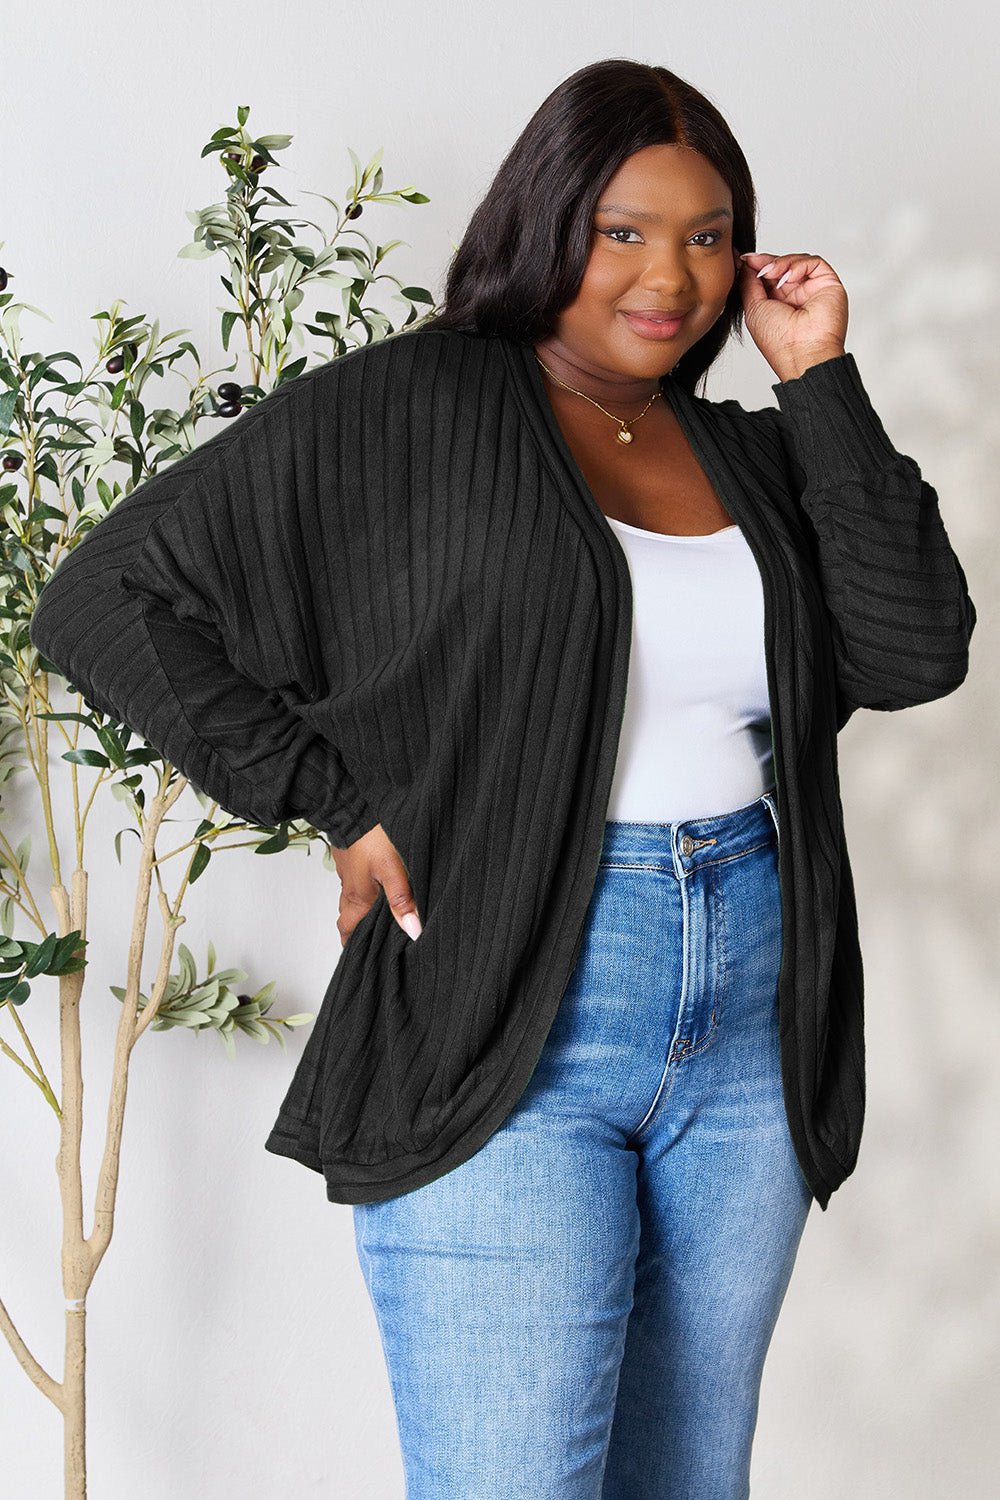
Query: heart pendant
x=624, y=436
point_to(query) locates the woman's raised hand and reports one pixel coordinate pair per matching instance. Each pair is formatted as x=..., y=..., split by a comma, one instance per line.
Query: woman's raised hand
x=795, y=307
x=372, y=861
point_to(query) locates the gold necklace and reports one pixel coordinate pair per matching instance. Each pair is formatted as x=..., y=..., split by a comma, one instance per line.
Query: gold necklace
x=624, y=427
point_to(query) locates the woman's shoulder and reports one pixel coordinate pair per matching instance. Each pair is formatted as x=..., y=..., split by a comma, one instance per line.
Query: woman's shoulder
x=405, y=348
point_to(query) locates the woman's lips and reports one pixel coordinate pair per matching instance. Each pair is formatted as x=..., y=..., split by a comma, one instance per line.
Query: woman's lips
x=654, y=326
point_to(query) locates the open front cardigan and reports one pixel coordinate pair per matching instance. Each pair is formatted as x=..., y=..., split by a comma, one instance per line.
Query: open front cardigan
x=387, y=595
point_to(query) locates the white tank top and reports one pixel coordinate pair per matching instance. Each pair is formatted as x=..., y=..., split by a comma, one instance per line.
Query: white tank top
x=696, y=736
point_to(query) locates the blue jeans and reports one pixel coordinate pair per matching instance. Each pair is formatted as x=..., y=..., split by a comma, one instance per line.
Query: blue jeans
x=581, y=1311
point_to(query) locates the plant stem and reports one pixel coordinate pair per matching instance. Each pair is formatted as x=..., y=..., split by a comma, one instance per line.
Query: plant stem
x=129, y=1027
x=42, y=777
x=38, y=1078
x=29, y=1364
x=78, y=1264
x=12, y=860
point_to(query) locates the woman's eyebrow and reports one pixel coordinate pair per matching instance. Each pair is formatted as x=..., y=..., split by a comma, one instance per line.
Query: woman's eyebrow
x=638, y=213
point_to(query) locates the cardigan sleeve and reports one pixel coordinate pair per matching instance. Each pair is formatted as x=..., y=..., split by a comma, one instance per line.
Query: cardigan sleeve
x=169, y=617
x=900, y=609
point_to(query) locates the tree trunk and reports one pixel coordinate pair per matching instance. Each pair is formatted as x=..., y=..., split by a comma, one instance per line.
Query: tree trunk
x=74, y=1405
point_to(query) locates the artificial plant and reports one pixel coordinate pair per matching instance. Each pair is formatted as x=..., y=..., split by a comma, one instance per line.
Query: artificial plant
x=74, y=441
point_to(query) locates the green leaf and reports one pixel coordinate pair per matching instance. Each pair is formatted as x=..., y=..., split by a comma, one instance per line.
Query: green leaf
x=7, y=403
x=87, y=758
x=228, y=319
x=64, y=950
x=7, y=916
x=202, y=856
x=46, y=513
x=81, y=718
x=275, y=844
x=118, y=840
x=242, y=113
x=195, y=251
x=290, y=371
x=188, y=973
x=42, y=956
x=142, y=758
x=254, y=1029
x=230, y=977
x=112, y=745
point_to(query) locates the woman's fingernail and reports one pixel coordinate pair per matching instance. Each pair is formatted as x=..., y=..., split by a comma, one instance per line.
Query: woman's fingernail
x=783, y=279
x=411, y=924
x=764, y=269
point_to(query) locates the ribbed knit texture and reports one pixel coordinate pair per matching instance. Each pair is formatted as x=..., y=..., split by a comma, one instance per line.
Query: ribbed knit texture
x=387, y=595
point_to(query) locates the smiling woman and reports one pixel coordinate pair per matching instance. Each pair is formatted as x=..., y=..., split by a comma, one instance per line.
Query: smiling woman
x=582, y=1308
x=558, y=651
x=660, y=271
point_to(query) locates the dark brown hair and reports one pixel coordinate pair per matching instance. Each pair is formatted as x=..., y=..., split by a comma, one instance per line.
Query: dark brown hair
x=523, y=255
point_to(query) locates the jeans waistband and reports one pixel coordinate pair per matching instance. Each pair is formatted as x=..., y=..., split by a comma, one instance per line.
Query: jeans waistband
x=685, y=845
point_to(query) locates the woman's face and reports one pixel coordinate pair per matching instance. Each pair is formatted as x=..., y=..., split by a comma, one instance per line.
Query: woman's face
x=661, y=243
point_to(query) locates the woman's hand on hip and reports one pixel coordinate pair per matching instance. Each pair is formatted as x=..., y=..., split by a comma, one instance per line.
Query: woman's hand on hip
x=371, y=862
x=795, y=307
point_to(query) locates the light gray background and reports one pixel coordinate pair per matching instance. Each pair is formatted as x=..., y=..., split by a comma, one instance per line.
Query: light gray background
x=232, y=1348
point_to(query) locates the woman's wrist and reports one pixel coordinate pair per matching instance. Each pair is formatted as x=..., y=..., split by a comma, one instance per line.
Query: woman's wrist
x=795, y=363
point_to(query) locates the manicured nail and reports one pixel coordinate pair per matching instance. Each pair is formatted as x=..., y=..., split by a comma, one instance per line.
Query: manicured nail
x=783, y=279
x=764, y=269
x=411, y=924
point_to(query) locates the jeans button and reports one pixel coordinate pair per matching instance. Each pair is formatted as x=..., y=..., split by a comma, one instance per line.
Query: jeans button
x=687, y=845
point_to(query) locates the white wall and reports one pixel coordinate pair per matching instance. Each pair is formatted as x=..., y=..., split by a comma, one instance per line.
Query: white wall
x=232, y=1348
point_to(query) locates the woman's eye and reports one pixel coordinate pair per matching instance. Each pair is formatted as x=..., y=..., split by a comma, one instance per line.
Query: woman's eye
x=620, y=229
x=715, y=235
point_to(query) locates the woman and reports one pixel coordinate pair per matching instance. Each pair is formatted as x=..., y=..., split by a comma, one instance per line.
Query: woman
x=556, y=653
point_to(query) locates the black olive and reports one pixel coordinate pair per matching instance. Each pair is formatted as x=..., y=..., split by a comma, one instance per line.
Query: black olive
x=230, y=391
x=230, y=409
x=354, y=212
x=3, y=279
x=12, y=460
x=258, y=164
x=115, y=365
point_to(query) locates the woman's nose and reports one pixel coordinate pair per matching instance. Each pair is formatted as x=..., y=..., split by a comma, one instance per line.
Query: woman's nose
x=668, y=270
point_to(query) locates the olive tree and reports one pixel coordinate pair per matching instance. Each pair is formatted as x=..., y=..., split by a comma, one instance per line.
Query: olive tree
x=75, y=439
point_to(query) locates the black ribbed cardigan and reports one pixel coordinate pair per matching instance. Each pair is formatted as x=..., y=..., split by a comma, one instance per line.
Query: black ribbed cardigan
x=387, y=595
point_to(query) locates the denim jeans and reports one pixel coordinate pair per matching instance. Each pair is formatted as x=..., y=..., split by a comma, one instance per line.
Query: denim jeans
x=581, y=1310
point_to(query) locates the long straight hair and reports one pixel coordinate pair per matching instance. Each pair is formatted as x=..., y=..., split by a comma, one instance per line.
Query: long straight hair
x=523, y=255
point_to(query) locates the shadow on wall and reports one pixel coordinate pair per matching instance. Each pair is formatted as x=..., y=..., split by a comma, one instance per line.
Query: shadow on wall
x=893, y=1316
x=923, y=797
x=921, y=1236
